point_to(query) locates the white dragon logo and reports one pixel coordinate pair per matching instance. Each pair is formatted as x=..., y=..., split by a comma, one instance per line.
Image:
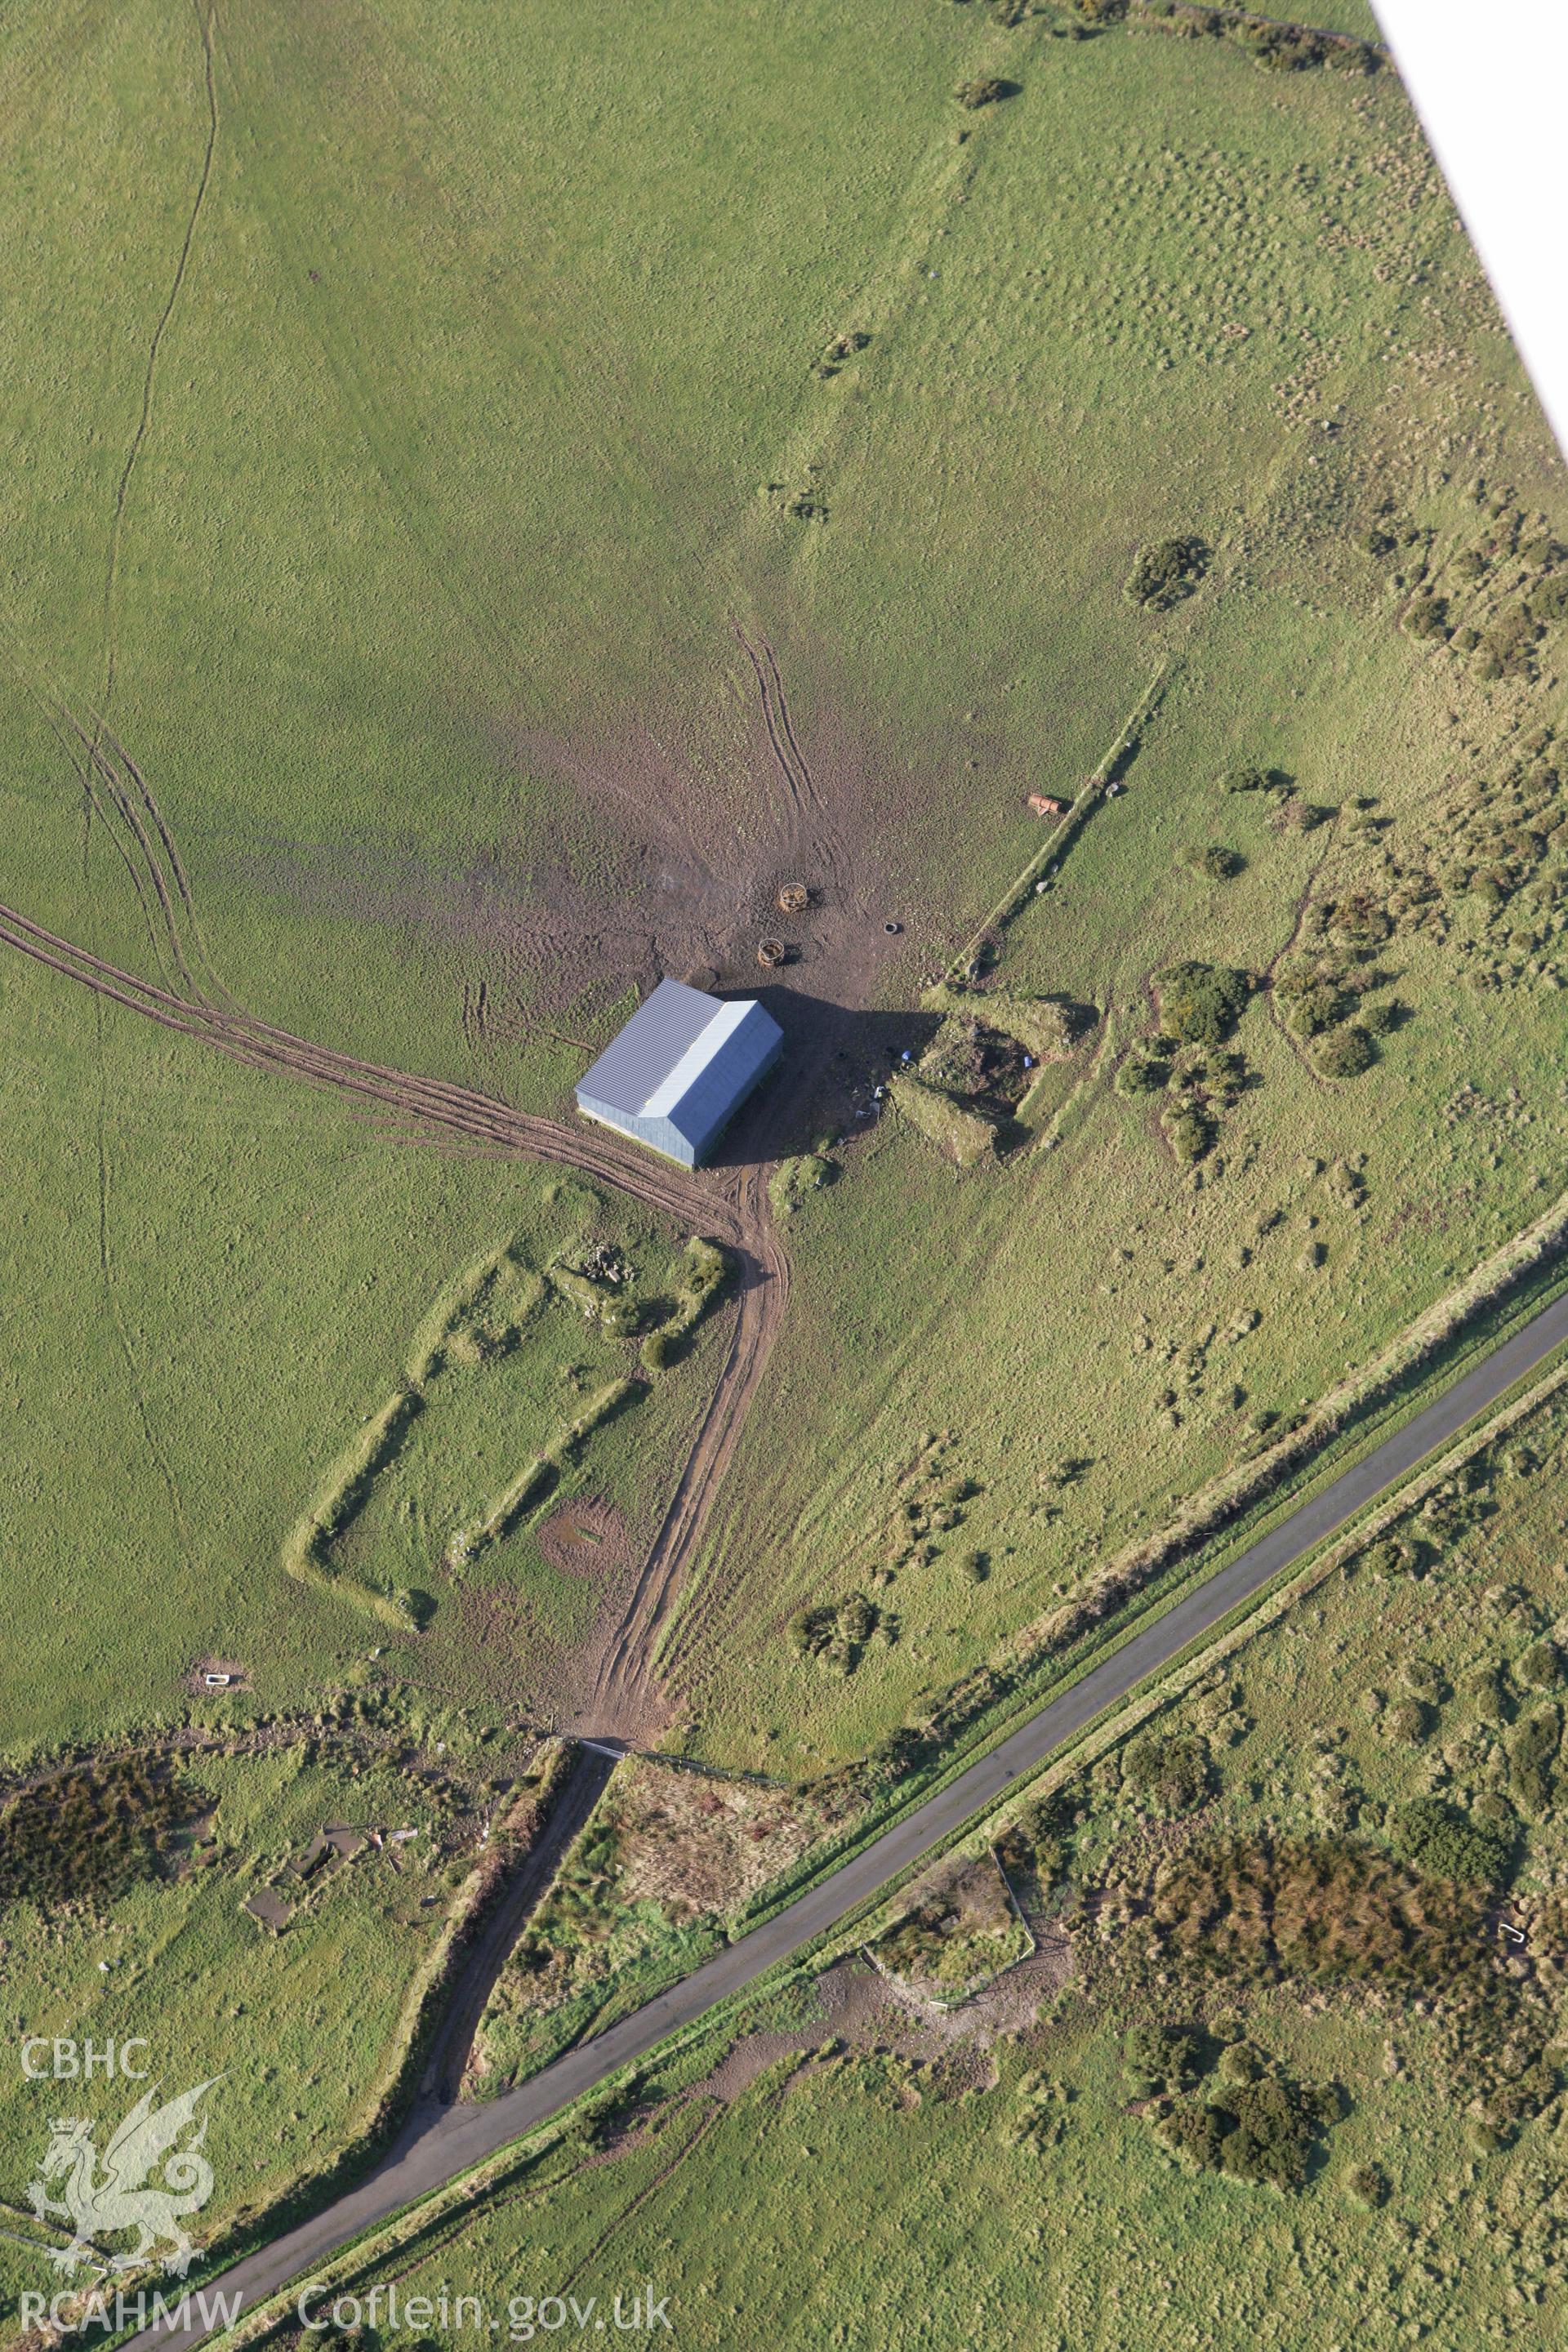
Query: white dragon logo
x=103, y=2204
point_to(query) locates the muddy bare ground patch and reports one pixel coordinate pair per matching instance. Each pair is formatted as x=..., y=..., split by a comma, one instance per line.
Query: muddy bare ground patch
x=592, y=1545
x=660, y=848
x=856, y=2004
x=587, y=1539
x=215, y=1676
x=745, y=2064
x=693, y=841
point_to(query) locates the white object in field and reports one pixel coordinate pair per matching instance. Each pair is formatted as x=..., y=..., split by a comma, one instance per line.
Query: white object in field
x=1488, y=91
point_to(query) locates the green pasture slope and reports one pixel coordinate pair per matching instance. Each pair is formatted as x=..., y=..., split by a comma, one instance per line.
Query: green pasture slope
x=454, y=423
x=1006, y=2183
x=408, y=404
x=212, y=1283
x=401, y=453
x=298, y=2030
x=1181, y=294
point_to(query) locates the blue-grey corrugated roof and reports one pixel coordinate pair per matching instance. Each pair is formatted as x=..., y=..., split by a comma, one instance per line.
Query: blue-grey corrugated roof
x=664, y=1027
x=684, y=1056
x=726, y=1077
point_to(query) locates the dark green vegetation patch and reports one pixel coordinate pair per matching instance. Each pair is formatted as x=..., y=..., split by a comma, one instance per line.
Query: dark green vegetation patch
x=1167, y=572
x=92, y=1834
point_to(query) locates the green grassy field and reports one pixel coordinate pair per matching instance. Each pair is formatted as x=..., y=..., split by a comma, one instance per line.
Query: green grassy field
x=399, y=515
x=410, y=408
x=854, y=2204
x=1067, y=388
x=212, y=1282
x=885, y=2182
x=299, y=2028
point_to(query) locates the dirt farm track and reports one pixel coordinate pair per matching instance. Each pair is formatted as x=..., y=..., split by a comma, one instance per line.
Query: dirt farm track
x=731, y=1208
x=441, y=2143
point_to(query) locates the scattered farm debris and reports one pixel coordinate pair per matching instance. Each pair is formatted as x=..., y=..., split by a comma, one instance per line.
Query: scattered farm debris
x=962, y=1929
x=208, y=1674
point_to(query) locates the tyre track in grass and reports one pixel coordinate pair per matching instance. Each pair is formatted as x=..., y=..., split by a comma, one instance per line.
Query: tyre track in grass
x=92, y=761
x=111, y=784
x=465, y=2139
x=803, y=823
x=624, y=1697
x=109, y=771
x=623, y=1689
x=94, y=764
x=160, y=328
x=792, y=790
x=123, y=796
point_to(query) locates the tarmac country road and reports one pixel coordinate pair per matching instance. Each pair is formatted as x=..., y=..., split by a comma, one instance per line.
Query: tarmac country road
x=436, y=2149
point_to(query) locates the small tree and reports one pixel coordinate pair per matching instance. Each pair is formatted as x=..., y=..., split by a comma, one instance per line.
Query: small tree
x=1219, y=864
x=1346, y=1053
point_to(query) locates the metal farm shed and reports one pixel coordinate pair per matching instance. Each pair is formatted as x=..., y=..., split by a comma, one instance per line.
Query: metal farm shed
x=680, y=1069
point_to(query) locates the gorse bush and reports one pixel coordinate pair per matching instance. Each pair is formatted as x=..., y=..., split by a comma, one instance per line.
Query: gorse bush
x=1274, y=2125
x=1246, y=776
x=1192, y=1133
x=1539, y=1668
x=1314, y=1007
x=1278, y=47
x=1368, y=2184
x=1038, y=1846
x=986, y=91
x=1427, y=616
x=1345, y=1053
x=1143, y=1072
x=1301, y=816
x=835, y=1633
x=1166, y=572
x=1200, y=1003
x=1219, y=864
x=1172, y=1770
x=1506, y=649
x=1444, y=1843
x=1256, y=2123
x=1532, y=1752
x=1162, y=2058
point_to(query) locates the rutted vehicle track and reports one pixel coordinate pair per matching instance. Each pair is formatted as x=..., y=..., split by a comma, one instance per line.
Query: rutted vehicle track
x=801, y=817
x=736, y=1214
x=460, y=2139
x=624, y=1684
